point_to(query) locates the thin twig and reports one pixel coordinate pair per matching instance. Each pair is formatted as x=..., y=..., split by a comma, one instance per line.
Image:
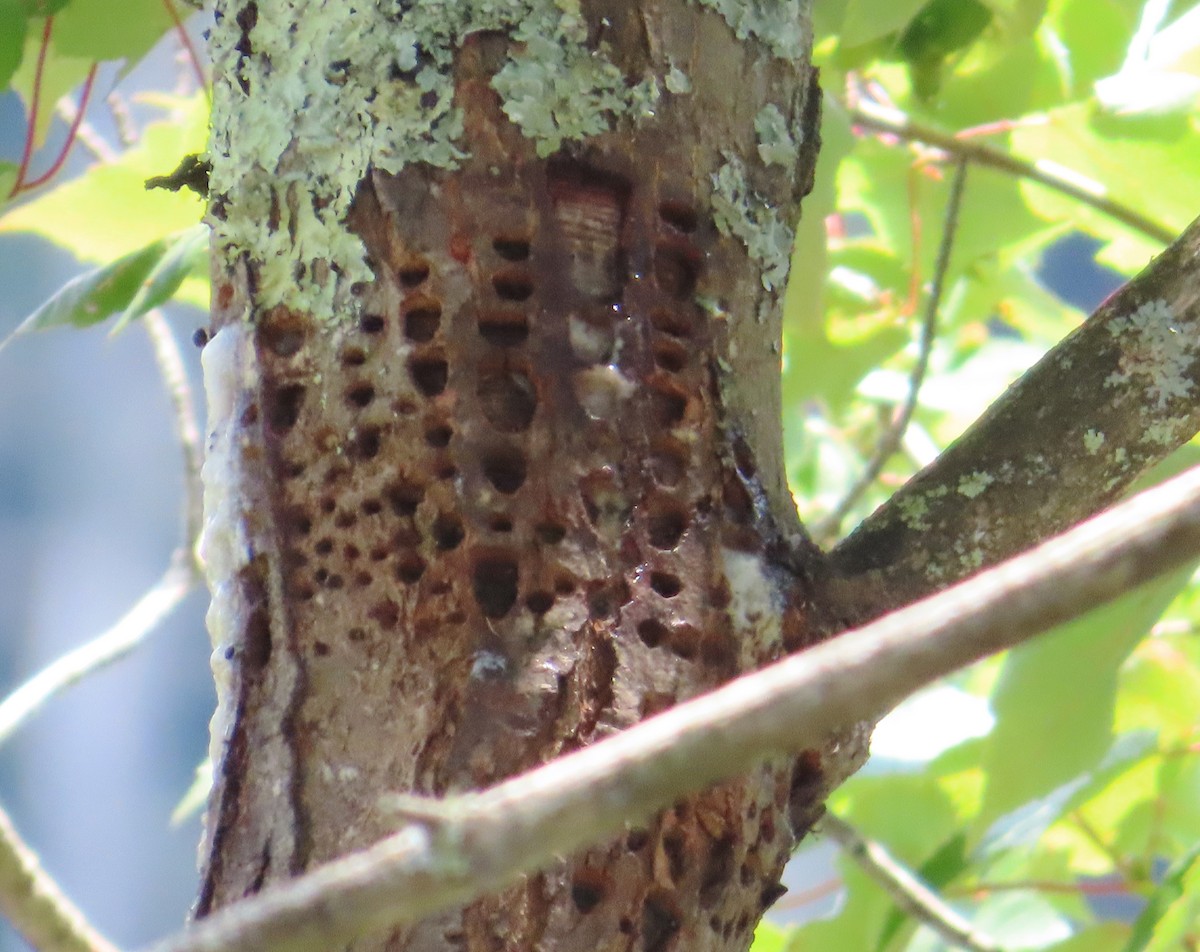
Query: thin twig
x=130, y=631
x=872, y=115
x=61, y=159
x=892, y=437
x=34, y=904
x=35, y=98
x=476, y=843
x=911, y=895
x=187, y=430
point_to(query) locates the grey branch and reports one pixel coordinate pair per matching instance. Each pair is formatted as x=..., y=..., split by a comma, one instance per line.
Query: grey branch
x=908, y=892
x=475, y=843
x=1114, y=397
x=34, y=904
x=142, y=619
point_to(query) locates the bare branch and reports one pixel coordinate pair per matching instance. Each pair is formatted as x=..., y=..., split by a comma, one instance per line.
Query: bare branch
x=130, y=631
x=891, y=438
x=872, y=115
x=475, y=843
x=187, y=430
x=911, y=895
x=1114, y=397
x=34, y=904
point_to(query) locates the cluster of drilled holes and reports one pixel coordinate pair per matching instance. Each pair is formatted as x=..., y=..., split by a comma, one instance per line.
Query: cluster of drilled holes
x=549, y=533
x=360, y=394
x=679, y=215
x=409, y=567
x=354, y=357
x=513, y=284
x=504, y=467
x=676, y=269
x=438, y=435
x=671, y=322
x=660, y=920
x=668, y=402
x=413, y=273
x=588, y=888
x=666, y=584
x=447, y=531
x=366, y=442
x=504, y=328
x=372, y=323
x=422, y=317
x=666, y=521
x=494, y=582
x=511, y=248
x=668, y=460
x=404, y=496
x=669, y=354
x=508, y=399
x=281, y=333
x=283, y=407
x=430, y=373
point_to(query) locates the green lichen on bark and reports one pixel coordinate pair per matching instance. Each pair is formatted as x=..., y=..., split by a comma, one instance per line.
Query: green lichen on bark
x=781, y=24
x=742, y=213
x=310, y=97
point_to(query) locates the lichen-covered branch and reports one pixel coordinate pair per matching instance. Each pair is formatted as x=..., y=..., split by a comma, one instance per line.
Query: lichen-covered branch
x=1115, y=396
x=464, y=845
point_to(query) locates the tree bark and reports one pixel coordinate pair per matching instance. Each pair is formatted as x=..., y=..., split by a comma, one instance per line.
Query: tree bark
x=495, y=467
x=516, y=484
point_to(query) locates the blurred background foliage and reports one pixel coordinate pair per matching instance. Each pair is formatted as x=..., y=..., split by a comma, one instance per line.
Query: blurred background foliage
x=1052, y=795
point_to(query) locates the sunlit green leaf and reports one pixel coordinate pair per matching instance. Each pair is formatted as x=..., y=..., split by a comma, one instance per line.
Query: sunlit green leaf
x=107, y=211
x=88, y=28
x=1054, y=702
x=183, y=256
x=867, y=20
x=1170, y=921
x=59, y=75
x=13, y=24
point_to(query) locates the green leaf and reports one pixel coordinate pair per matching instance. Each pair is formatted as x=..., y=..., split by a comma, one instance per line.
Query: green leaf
x=868, y=20
x=1055, y=698
x=13, y=24
x=60, y=75
x=183, y=256
x=107, y=211
x=1169, y=921
x=92, y=297
x=89, y=28
x=8, y=178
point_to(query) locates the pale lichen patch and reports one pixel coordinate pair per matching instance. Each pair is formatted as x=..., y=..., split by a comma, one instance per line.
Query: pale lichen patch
x=1093, y=440
x=1155, y=347
x=776, y=146
x=742, y=213
x=313, y=96
x=913, y=510
x=677, y=81
x=973, y=484
x=780, y=24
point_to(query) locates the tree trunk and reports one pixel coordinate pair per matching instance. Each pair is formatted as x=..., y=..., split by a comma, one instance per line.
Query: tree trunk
x=512, y=481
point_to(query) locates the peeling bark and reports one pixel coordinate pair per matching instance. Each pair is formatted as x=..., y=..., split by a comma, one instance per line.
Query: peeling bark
x=521, y=489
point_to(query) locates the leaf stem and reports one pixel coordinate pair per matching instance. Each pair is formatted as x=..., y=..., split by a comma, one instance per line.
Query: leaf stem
x=872, y=115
